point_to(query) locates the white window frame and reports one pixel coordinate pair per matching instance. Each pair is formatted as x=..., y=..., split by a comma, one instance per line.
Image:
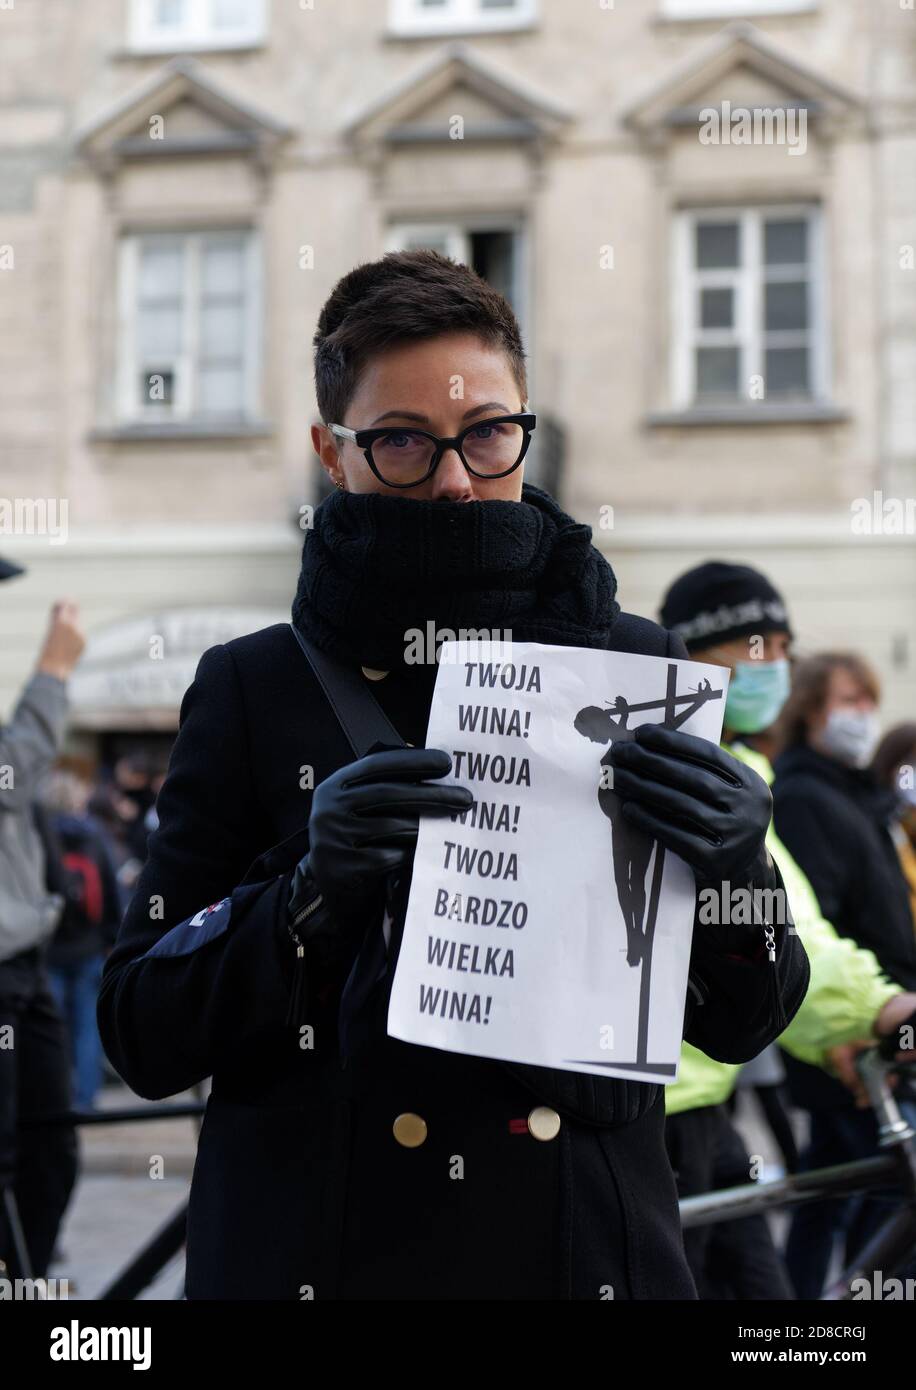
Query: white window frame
x=132, y=406
x=198, y=33
x=455, y=237
x=409, y=17
x=747, y=281
x=732, y=9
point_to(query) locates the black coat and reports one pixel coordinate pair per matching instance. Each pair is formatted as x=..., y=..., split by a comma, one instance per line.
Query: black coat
x=299, y=1183
x=835, y=821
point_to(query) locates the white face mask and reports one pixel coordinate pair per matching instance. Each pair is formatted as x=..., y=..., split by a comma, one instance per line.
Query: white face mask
x=851, y=736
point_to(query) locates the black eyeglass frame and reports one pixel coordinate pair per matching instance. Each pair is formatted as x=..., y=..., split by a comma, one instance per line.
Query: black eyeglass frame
x=364, y=439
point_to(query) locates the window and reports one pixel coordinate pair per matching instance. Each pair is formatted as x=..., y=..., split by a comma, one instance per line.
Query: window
x=409, y=17
x=492, y=250
x=168, y=25
x=189, y=327
x=728, y=9
x=748, y=306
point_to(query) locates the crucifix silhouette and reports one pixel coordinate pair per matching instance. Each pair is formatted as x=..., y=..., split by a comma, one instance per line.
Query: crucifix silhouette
x=632, y=848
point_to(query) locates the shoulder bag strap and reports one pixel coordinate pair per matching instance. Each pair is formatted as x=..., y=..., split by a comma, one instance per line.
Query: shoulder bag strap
x=360, y=715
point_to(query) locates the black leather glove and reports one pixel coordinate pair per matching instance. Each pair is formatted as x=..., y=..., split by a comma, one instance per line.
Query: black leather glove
x=713, y=811
x=364, y=823
x=697, y=801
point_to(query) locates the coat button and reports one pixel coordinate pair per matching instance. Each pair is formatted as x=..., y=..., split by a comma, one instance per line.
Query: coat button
x=372, y=675
x=410, y=1130
x=544, y=1123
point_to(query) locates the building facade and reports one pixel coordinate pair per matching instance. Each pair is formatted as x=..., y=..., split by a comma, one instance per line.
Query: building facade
x=703, y=211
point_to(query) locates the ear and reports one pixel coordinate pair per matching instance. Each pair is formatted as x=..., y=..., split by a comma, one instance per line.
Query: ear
x=325, y=445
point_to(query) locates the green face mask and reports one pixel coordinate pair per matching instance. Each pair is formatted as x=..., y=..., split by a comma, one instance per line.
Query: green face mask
x=757, y=692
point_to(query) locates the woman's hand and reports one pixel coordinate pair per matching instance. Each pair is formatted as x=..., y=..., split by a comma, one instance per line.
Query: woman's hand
x=365, y=819
x=697, y=801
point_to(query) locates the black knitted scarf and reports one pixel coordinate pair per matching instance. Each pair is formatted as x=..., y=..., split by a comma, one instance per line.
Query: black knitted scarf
x=375, y=566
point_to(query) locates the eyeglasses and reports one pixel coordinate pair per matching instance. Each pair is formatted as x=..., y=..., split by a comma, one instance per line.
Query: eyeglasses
x=404, y=457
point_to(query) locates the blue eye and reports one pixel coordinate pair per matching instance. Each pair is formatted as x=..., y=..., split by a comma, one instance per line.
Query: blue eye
x=401, y=439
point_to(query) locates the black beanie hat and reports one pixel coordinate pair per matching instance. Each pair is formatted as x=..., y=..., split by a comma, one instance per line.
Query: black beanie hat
x=8, y=570
x=718, y=601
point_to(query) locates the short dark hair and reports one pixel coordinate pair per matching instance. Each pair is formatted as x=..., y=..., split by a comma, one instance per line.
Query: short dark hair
x=407, y=295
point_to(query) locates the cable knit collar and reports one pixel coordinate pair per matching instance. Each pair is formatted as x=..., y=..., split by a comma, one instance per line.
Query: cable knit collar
x=376, y=566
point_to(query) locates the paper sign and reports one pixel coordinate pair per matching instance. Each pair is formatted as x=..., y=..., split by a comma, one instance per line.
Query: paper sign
x=541, y=926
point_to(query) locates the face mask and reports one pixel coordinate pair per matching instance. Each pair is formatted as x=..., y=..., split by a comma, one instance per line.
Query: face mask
x=851, y=736
x=757, y=692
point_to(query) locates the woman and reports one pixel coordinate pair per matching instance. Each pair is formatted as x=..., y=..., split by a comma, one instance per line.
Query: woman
x=832, y=814
x=836, y=821
x=329, y=1157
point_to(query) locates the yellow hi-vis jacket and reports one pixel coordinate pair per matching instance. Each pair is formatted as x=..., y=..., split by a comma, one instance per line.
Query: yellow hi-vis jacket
x=846, y=991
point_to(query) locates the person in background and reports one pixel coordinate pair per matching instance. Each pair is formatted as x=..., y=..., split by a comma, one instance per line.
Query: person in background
x=833, y=814
x=133, y=798
x=87, y=929
x=101, y=807
x=894, y=767
x=731, y=615
x=836, y=820
x=37, y=1165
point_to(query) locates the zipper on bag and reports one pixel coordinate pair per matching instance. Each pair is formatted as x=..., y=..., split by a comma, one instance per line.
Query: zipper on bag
x=297, y=993
x=297, y=998
x=769, y=933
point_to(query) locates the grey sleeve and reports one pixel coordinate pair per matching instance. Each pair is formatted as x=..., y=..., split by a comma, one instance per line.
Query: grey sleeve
x=30, y=742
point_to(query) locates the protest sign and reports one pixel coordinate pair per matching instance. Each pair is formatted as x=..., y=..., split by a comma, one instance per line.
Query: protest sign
x=541, y=926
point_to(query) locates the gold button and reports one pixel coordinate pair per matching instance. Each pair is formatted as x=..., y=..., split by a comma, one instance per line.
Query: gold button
x=544, y=1123
x=373, y=675
x=410, y=1130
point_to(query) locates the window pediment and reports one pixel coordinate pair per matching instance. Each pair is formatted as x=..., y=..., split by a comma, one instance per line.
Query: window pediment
x=180, y=111
x=494, y=104
x=741, y=67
